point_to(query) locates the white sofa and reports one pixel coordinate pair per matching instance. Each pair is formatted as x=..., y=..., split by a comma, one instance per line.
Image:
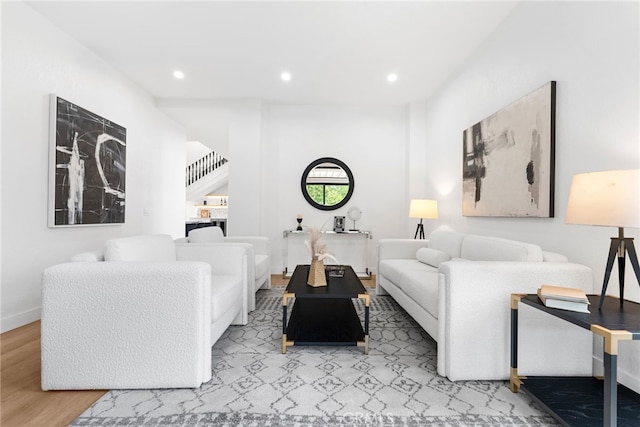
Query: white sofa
x=137, y=314
x=258, y=256
x=458, y=287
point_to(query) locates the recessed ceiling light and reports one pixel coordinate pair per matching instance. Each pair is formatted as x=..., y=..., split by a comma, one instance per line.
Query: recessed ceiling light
x=392, y=77
x=285, y=76
x=178, y=74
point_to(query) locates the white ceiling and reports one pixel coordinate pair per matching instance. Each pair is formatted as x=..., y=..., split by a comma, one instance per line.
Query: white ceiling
x=337, y=52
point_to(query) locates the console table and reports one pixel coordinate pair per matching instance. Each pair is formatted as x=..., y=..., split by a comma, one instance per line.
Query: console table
x=585, y=401
x=348, y=247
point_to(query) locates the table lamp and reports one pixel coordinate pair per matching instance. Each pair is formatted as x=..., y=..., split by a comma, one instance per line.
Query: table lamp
x=608, y=199
x=423, y=209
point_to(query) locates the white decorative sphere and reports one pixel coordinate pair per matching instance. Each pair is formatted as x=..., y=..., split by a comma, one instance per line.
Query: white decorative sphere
x=354, y=213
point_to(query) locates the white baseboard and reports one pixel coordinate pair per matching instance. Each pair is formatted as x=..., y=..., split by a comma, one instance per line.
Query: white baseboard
x=12, y=322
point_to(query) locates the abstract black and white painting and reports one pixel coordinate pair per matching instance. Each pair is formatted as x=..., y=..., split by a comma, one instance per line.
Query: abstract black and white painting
x=508, y=164
x=87, y=170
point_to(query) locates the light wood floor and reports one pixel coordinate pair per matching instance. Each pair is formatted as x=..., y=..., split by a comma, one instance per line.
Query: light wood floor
x=22, y=401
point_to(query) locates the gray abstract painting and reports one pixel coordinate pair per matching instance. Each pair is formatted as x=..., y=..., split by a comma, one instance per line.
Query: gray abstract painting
x=508, y=164
x=87, y=182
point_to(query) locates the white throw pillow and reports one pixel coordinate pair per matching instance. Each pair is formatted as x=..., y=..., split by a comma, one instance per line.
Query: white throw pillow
x=206, y=235
x=432, y=257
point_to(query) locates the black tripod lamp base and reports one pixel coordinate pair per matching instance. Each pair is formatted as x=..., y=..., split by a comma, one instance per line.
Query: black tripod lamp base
x=620, y=246
x=419, y=231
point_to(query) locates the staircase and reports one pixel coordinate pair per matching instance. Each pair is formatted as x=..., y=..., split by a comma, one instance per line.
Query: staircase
x=206, y=175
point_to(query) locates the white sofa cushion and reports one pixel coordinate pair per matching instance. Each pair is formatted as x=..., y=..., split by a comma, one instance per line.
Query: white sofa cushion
x=144, y=248
x=262, y=264
x=432, y=257
x=417, y=280
x=392, y=269
x=447, y=241
x=486, y=248
x=421, y=285
x=206, y=235
x=225, y=293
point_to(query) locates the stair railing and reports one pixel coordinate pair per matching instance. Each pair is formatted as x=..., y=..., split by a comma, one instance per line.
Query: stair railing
x=203, y=167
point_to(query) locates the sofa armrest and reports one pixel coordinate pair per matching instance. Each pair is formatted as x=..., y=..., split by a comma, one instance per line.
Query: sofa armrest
x=90, y=256
x=126, y=325
x=260, y=244
x=399, y=248
x=260, y=249
x=474, y=320
x=548, y=256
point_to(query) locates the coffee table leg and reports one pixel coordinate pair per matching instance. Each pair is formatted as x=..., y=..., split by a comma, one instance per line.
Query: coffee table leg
x=285, y=300
x=284, y=328
x=366, y=320
x=367, y=301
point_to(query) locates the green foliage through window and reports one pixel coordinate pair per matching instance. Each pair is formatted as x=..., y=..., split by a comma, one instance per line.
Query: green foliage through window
x=327, y=195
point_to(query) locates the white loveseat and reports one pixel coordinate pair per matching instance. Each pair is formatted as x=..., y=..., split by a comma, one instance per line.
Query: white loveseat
x=458, y=287
x=258, y=256
x=137, y=314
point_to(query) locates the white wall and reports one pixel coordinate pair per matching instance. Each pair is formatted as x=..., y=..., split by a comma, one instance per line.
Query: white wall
x=205, y=120
x=195, y=150
x=591, y=49
x=37, y=60
x=417, y=173
x=372, y=141
x=245, y=169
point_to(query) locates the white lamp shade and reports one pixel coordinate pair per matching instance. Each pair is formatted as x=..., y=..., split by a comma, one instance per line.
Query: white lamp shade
x=420, y=208
x=605, y=198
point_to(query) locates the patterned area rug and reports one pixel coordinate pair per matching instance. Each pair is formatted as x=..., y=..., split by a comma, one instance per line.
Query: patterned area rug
x=254, y=384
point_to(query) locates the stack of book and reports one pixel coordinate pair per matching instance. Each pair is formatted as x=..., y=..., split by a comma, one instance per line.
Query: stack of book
x=571, y=299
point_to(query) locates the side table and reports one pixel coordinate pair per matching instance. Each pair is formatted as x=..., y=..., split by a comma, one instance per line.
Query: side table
x=585, y=401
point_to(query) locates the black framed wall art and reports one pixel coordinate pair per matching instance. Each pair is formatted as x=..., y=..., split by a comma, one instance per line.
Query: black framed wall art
x=509, y=159
x=87, y=167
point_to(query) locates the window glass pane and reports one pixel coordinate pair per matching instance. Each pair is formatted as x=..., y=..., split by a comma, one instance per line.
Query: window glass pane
x=315, y=191
x=335, y=194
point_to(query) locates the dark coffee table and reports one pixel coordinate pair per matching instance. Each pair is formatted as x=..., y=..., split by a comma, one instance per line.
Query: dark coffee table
x=325, y=315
